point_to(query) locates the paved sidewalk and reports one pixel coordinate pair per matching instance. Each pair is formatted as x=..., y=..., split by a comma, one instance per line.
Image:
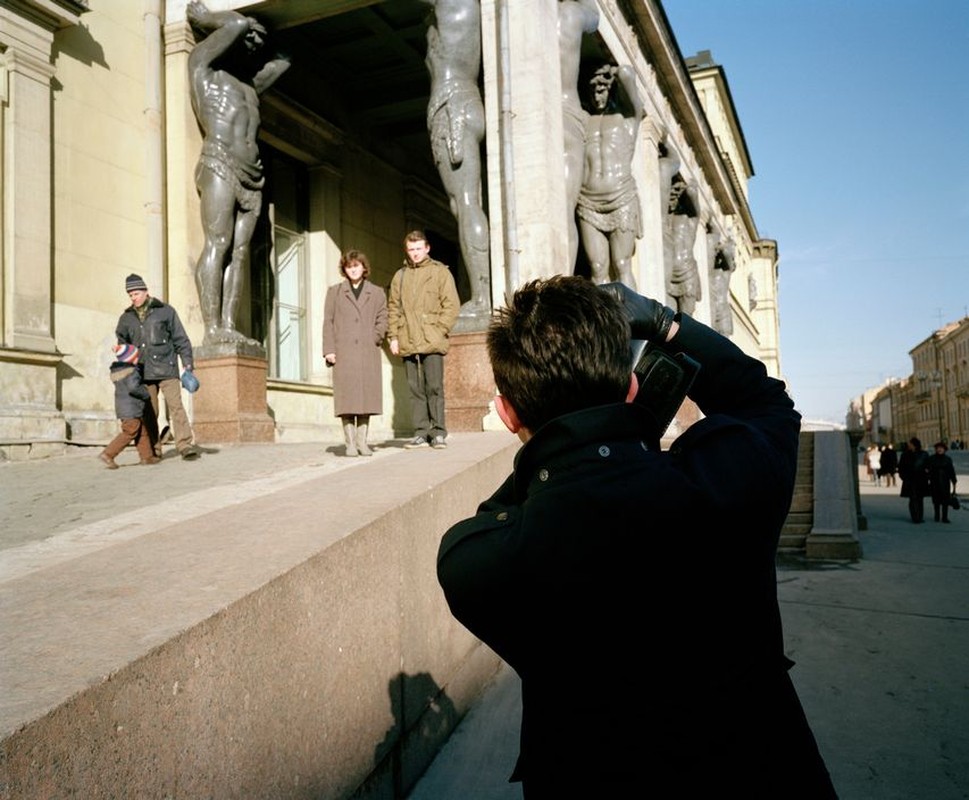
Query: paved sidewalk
x=43, y=498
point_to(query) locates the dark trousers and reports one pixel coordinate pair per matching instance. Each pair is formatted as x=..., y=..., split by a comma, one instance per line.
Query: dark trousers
x=916, y=506
x=940, y=502
x=425, y=379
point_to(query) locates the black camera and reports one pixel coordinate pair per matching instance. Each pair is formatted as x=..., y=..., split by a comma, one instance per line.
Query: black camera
x=664, y=380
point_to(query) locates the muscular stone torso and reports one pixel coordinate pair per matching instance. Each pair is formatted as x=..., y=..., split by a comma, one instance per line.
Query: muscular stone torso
x=229, y=110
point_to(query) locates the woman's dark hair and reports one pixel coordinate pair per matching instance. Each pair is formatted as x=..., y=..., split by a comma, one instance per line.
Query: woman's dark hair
x=355, y=255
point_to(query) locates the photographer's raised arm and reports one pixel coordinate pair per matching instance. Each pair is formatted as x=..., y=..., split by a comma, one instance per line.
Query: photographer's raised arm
x=729, y=381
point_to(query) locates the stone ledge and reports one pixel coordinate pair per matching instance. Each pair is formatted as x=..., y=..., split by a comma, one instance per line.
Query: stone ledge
x=273, y=645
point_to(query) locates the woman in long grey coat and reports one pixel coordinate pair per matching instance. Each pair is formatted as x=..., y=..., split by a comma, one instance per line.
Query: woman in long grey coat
x=354, y=324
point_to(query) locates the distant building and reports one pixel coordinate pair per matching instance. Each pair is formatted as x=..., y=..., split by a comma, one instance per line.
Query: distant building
x=933, y=402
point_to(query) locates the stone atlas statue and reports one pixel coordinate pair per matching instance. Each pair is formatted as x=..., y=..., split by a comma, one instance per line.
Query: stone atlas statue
x=608, y=205
x=227, y=73
x=456, y=124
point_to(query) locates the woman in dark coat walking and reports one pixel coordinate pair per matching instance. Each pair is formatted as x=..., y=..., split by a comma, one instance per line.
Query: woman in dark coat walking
x=354, y=325
x=942, y=480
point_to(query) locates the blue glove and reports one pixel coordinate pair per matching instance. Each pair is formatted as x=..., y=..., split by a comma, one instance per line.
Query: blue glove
x=647, y=319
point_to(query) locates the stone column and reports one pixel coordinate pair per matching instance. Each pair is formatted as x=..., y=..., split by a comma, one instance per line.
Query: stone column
x=183, y=143
x=651, y=277
x=27, y=200
x=525, y=54
x=28, y=353
x=526, y=181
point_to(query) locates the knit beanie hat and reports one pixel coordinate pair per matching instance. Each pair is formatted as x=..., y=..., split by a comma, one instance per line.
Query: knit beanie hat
x=133, y=282
x=126, y=353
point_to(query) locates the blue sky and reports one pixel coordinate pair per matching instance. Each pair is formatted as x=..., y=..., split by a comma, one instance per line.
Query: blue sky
x=856, y=115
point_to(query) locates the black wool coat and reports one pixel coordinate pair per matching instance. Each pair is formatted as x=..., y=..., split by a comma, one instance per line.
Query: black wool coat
x=633, y=590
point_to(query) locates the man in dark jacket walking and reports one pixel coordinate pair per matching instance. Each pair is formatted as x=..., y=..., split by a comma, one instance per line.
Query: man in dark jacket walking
x=633, y=589
x=915, y=480
x=155, y=329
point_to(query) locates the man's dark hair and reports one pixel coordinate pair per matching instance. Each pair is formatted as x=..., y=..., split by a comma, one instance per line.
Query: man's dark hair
x=560, y=346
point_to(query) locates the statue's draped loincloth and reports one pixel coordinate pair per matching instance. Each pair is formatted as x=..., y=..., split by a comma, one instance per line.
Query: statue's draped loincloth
x=450, y=107
x=685, y=278
x=613, y=210
x=247, y=180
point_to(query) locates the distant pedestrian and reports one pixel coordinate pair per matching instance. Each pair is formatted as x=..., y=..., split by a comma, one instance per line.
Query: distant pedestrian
x=131, y=398
x=915, y=479
x=875, y=464
x=942, y=481
x=354, y=324
x=889, y=462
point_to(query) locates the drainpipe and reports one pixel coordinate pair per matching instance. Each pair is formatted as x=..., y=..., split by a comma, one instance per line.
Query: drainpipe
x=154, y=269
x=509, y=212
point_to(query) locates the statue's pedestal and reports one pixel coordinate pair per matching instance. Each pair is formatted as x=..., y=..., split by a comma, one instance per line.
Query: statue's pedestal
x=469, y=385
x=230, y=405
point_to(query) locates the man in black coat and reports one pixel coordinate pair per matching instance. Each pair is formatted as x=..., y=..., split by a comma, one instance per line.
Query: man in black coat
x=155, y=329
x=632, y=589
x=942, y=481
x=915, y=480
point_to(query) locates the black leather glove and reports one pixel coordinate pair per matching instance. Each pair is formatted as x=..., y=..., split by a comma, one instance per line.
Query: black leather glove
x=648, y=319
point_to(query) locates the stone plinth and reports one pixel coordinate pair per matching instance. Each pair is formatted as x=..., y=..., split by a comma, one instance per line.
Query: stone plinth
x=468, y=383
x=230, y=405
x=835, y=531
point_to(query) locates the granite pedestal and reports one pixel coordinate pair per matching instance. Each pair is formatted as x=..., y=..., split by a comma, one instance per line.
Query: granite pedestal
x=468, y=382
x=230, y=405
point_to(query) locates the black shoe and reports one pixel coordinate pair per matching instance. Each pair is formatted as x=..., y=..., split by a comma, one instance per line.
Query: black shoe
x=190, y=453
x=417, y=441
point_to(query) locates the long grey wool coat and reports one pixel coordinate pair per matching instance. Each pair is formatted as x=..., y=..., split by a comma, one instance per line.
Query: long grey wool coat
x=354, y=329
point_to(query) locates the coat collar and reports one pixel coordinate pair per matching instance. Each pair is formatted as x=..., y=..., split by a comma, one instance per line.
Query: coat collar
x=563, y=437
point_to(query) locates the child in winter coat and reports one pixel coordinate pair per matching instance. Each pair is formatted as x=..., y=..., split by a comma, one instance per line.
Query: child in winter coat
x=130, y=396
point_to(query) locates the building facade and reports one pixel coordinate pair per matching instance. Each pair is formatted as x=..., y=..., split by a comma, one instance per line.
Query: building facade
x=932, y=403
x=99, y=151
